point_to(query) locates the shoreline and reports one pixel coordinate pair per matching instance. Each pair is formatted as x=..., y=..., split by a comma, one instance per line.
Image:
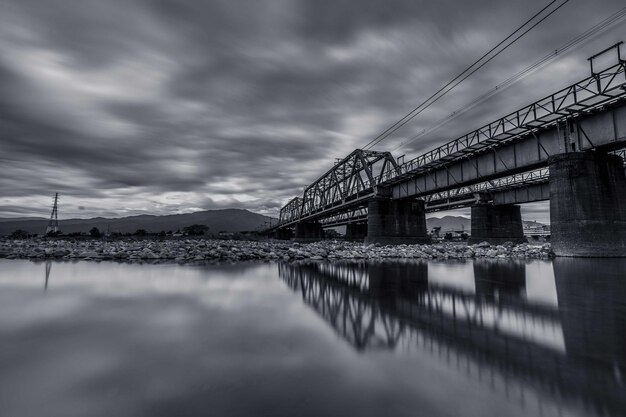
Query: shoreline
x=200, y=250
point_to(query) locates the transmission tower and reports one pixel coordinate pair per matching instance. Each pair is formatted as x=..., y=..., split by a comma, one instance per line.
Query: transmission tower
x=53, y=224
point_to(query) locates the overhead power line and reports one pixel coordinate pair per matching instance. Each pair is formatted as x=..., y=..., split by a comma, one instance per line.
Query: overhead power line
x=478, y=64
x=572, y=44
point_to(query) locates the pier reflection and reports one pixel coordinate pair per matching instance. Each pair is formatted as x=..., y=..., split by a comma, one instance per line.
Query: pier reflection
x=592, y=304
x=537, y=354
x=496, y=279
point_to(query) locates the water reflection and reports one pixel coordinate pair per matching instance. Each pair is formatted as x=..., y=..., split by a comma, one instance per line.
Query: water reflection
x=398, y=339
x=569, y=354
x=495, y=280
x=592, y=303
x=47, y=278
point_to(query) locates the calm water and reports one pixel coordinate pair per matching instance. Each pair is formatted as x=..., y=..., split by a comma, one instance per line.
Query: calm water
x=313, y=339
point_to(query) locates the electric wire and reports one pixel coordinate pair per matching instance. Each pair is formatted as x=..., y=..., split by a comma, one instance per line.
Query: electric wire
x=464, y=74
x=572, y=44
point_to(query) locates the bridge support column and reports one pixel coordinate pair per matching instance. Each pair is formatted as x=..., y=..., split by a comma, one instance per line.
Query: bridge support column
x=309, y=231
x=394, y=222
x=356, y=231
x=587, y=205
x=496, y=224
x=284, y=234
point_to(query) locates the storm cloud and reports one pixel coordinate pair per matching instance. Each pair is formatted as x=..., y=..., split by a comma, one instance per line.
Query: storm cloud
x=162, y=106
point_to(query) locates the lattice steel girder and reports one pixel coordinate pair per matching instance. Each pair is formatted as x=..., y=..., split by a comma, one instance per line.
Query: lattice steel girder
x=527, y=194
x=358, y=173
x=522, y=188
x=535, y=189
x=461, y=197
x=586, y=115
x=583, y=97
x=606, y=129
x=518, y=180
x=526, y=187
x=350, y=216
x=353, y=178
x=290, y=211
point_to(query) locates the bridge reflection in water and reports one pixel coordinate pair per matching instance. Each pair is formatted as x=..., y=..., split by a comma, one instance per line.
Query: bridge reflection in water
x=540, y=355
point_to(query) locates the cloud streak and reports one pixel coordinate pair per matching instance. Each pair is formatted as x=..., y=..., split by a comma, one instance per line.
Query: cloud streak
x=161, y=107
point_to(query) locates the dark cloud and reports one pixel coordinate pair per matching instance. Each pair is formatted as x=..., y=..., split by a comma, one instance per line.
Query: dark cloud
x=164, y=106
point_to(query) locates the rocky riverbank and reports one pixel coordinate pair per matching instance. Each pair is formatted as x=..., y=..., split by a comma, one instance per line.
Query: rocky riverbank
x=199, y=250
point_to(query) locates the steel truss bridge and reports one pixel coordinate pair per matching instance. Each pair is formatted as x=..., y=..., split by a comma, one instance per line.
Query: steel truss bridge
x=478, y=334
x=507, y=158
x=526, y=187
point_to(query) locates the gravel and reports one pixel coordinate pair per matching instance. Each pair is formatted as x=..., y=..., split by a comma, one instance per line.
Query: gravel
x=202, y=250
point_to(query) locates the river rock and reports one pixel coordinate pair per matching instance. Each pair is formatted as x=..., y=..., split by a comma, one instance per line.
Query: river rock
x=195, y=250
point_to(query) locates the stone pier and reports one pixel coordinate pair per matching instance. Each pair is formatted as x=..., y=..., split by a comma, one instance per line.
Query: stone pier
x=356, y=231
x=588, y=205
x=497, y=224
x=392, y=222
x=308, y=231
x=284, y=234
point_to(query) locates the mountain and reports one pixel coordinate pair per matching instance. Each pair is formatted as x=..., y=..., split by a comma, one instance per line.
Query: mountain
x=448, y=223
x=229, y=220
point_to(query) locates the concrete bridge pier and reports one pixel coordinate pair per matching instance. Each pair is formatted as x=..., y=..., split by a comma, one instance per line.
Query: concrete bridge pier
x=356, y=231
x=309, y=231
x=394, y=222
x=496, y=224
x=284, y=234
x=587, y=205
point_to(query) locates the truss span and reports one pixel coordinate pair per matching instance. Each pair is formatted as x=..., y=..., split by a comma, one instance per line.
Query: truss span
x=348, y=183
x=342, y=193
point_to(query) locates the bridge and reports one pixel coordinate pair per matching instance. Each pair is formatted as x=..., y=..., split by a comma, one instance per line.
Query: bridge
x=567, y=148
x=572, y=351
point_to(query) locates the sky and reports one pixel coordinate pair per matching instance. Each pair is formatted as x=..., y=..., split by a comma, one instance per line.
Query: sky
x=131, y=107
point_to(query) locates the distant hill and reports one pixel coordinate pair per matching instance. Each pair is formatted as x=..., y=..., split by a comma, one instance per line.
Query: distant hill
x=449, y=223
x=229, y=220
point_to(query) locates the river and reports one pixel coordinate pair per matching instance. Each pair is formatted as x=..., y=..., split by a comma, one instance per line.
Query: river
x=414, y=338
